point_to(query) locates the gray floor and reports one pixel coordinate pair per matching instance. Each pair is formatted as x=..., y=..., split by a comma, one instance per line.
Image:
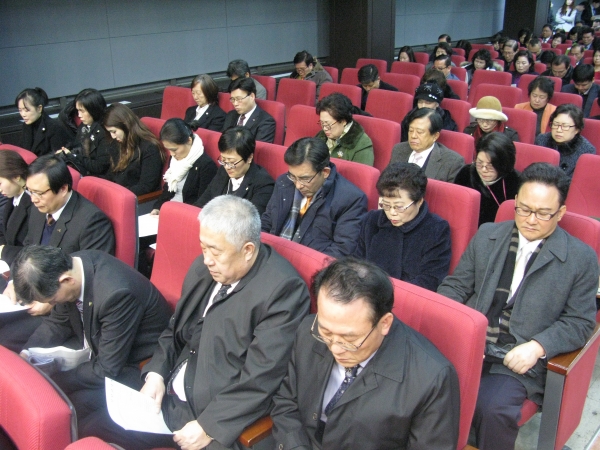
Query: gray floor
x=584, y=436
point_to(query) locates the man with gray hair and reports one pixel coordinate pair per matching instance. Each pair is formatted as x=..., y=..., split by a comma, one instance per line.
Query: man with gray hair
x=227, y=346
x=238, y=68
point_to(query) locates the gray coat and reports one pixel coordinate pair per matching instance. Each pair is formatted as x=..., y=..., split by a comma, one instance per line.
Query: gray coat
x=555, y=304
x=443, y=163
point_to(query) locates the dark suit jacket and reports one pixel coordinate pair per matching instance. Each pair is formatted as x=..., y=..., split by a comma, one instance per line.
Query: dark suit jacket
x=256, y=187
x=15, y=221
x=443, y=163
x=44, y=137
x=123, y=316
x=407, y=397
x=244, y=346
x=81, y=226
x=91, y=152
x=212, y=119
x=143, y=173
x=198, y=178
x=261, y=124
x=591, y=98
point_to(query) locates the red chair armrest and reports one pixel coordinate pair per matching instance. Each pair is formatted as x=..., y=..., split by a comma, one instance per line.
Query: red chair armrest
x=564, y=362
x=256, y=432
x=148, y=197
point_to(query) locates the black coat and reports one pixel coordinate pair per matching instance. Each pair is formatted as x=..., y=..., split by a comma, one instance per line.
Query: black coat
x=44, y=136
x=143, y=173
x=198, y=178
x=257, y=187
x=260, y=123
x=15, y=221
x=212, y=119
x=365, y=94
x=91, y=151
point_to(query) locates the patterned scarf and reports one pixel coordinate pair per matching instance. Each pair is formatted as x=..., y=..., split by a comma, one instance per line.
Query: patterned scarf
x=287, y=232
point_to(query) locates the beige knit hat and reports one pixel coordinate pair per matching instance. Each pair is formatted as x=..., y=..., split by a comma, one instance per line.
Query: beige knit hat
x=488, y=108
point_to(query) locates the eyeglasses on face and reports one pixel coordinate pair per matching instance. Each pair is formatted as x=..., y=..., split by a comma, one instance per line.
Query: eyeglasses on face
x=326, y=126
x=229, y=165
x=238, y=99
x=484, y=166
x=395, y=208
x=329, y=342
x=486, y=121
x=36, y=194
x=526, y=212
x=302, y=180
x=562, y=126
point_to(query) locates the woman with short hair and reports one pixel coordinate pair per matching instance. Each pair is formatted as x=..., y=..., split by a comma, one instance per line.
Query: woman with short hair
x=524, y=64
x=540, y=92
x=488, y=118
x=208, y=114
x=15, y=214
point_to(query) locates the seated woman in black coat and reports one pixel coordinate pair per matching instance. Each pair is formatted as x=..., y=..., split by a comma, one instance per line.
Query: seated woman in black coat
x=190, y=170
x=138, y=165
x=208, y=114
x=403, y=237
x=90, y=152
x=15, y=214
x=524, y=64
x=493, y=174
x=41, y=134
x=238, y=174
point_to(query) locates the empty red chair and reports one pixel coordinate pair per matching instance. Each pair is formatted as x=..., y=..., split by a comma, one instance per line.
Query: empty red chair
x=349, y=76
x=539, y=67
x=588, y=54
x=459, y=110
x=381, y=64
x=508, y=96
x=595, y=111
x=585, y=187
x=523, y=121
x=457, y=59
x=176, y=100
x=422, y=57
x=459, y=51
x=490, y=77
x=210, y=141
x=591, y=131
x=389, y=105
x=561, y=98
x=460, y=88
x=402, y=82
x=292, y=92
x=408, y=68
x=224, y=101
x=459, y=72
x=461, y=143
x=363, y=177
x=269, y=83
x=27, y=156
x=354, y=93
x=333, y=72
x=277, y=111
x=270, y=157
x=120, y=205
x=384, y=134
x=530, y=153
x=303, y=121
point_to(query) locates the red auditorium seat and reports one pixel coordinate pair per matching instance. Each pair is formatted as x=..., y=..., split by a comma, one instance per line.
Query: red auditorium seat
x=408, y=68
x=584, y=193
x=349, y=76
x=561, y=98
x=388, y=104
x=176, y=100
x=269, y=83
x=459, y=110
x=333, y=72
x=461, y=143
x=526, y=80
x=530, y=153
x=381, y=64
x=354, y=93
x=363, y=177
x=224, y=102
x=591, y=131
x=155, y=125
x=523, y=121
x=422, y=57
x=89, y=443
x=460, y=88
x=277, y=111
x=302, y=122
x=508, y=96
x=458, y=71
x=490, y=77
x=210, y=141
x=459, y=51
x=270, y=157
x=384, y=134
x=292, y=92
x=403, y=82
x=28, y=156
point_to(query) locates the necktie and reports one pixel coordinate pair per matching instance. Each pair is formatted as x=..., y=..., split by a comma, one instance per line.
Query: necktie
x=519, y=272
x=351, y=373
x=222, y=293
x=50, y=220
x=305, y=207
x=418, y=160
x=241, y=120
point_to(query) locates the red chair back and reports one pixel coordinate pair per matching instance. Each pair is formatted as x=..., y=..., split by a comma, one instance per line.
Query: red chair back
x=292, y=92
x=224, y=102
x=408, y=68
x=461, y=143
x=585, y=187
x=381, y=64
x=563, y=47
x=458, y=71
x=176, y=100
x=530, y=153
x=354, y=93
x=422, y=57
x=588, y=54
x=509, y=96
x=384, y=134
x=363, y=177
x=403, y=82
x=523, y=121
x=591, y=131
x=526, y=80
x=456, y=330
x=349, y=76
x=459, y=110
x=389, y=105
x=303, y=121
x=175, y=251
x=490, y=77
x=561, y=98
x=210, y=141
x=595, y=111
x=269, y=83
x=76, y=176
x=460, y=88
x=28, y=156
x=556, y=51
x=277, y=112
x=459, y=51
x=120, y=205
x=89, y=443
x=33, y=413
x=270, y=157
x=333, y=72
x=155, y=125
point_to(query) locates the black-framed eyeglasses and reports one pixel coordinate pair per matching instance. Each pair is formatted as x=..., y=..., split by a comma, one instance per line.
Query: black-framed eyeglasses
x=396, y=208
x=345, y=345
x=484, y=166
x=36, y=194
x=526, y=212
x=302, y=180
x=562, y=126
x=229, y=165
x=238, y=99
x=326, y=126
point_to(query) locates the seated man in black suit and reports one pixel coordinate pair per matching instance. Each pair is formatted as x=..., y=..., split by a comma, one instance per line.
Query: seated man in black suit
x=247, y=113
x=368, y=77
x=560, y=68
x=226, y=349
x=100, y=304
x=61, y=218
x=360, y=378
x=583, y=84
x=313, y=204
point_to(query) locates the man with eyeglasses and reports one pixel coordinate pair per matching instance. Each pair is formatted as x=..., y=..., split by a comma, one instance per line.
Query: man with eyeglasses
x=308, y=68
x=560, y=68
x=583, y=85
x=61, y=218
x=536, y=285
x=359, y=377
x=313, y=204
x=247, y=113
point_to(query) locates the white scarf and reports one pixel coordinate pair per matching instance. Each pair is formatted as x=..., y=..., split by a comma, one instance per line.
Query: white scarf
x=179, y=169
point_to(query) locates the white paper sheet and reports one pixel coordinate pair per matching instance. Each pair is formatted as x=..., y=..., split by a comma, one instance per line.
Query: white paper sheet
x=4, y=267
x=66, y=358
x=147, y=225
x=7, y=306
x=133, y=410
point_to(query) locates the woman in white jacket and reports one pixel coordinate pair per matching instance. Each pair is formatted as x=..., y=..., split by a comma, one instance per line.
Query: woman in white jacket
x=565, y=16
